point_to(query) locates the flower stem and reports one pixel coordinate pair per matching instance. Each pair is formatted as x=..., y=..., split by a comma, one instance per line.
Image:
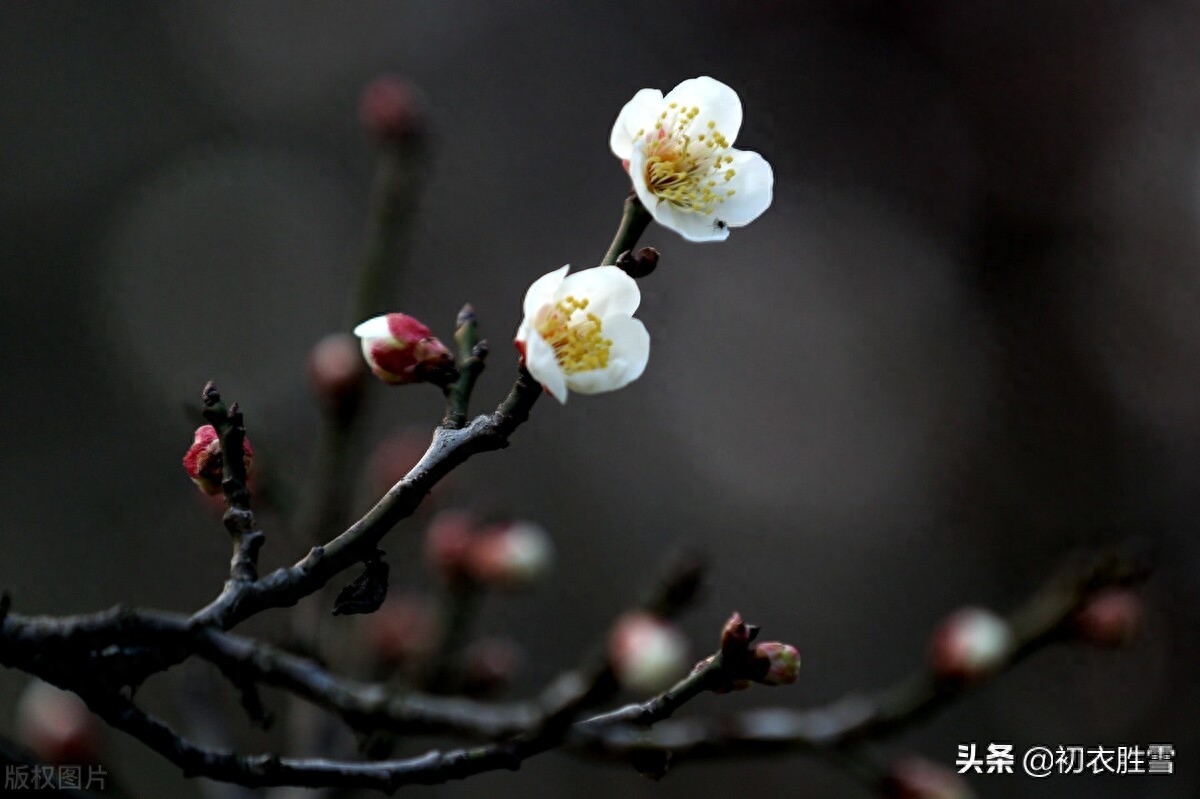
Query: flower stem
x=634, y=221
x=399, y=176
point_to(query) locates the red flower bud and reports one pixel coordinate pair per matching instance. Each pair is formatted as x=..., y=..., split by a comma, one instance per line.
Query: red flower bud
x=971, y=643
x=57, y=726
x=1110, y=618
x=400, y=350
x=203, y=460
x=391, y=110
x=335, y=367
x=647, y=654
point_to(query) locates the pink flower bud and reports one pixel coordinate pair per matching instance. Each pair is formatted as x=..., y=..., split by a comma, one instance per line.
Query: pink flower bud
x=203, y=461
x=510, y=555
x=402, y=350
x=448, y=542
x=403, y=630
x=1110, y=618
x=780, y=663
x=647, y=654
x=57, y=726
x=917, y=778
x=335, y=368
x=971, y=643
x=391, y=110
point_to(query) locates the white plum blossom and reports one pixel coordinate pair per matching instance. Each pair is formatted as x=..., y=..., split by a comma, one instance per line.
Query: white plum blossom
x=579, y=333
x=680, y=155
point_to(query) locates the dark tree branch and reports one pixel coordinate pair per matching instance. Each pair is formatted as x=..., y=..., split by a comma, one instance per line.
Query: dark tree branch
x=41, y=645
x=543, y=723
x=450, y=448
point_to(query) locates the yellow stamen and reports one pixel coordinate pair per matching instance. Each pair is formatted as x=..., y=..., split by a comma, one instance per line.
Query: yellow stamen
x=683, y=167
x=576, y=336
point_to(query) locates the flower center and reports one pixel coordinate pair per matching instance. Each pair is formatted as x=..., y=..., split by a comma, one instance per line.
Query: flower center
x=575, y=335
x=687, y=166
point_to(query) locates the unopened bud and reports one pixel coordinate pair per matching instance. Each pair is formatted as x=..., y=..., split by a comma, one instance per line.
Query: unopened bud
x=971, y=643
x=400, y=350
x=647, y=654
x=335, y=367
x=404, y=629
x=1110, y=618
x=391, y=110
x=511, y=555
x=204, y=463
x=774, y=663
x=640, y=264
x=56, y=725
x=448, y=541
x=490, y=664
x=917, y=778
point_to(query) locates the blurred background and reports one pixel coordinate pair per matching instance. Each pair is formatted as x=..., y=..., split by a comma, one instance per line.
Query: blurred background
x=963, y=341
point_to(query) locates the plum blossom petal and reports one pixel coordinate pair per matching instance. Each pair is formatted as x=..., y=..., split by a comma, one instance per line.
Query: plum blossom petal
x=543, y=290
x=611, y=290
x=753, y=186
x=543, y=364
x=682, y=163
x=718, y=103
x=638, y=114
x=579, y=333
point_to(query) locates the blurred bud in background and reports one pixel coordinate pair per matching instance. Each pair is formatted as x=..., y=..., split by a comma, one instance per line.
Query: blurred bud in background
x=403, y=630
x=489, y=666
x=448, y=541
x=57, y=726
x=391, y=110
x=647, y=654
x=337, y=372
x=1111, y=618
x=917, y=778
x=510, y=554
x=971, y=643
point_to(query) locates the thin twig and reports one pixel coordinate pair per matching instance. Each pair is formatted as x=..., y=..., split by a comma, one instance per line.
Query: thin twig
x=471, y=354
x=239, y=519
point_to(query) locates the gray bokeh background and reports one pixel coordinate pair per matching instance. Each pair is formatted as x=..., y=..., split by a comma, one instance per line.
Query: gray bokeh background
x=964, y=339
